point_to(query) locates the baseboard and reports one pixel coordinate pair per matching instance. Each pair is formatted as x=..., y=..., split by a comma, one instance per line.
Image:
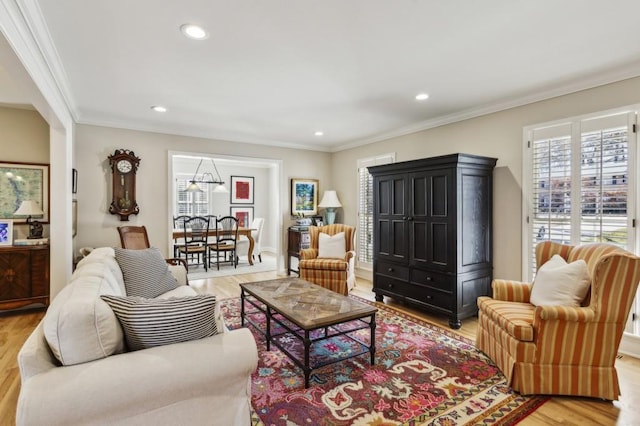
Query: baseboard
x=630, y=345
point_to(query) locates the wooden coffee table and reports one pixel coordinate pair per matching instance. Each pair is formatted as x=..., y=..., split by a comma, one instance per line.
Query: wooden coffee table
x=301, y=308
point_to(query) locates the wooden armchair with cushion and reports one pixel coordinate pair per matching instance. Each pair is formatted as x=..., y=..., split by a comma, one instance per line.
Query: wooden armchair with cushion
x=329, y=262
x=136, y=238
x=548, y=337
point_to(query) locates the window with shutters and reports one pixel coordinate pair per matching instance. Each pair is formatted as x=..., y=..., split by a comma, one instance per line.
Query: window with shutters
x=365, y=207
x=190, y=203
x=578, y=179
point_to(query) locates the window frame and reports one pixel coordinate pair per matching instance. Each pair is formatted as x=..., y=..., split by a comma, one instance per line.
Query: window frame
x=576, y=123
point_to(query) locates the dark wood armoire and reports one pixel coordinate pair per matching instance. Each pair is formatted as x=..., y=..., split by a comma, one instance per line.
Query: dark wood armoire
x=432, y=238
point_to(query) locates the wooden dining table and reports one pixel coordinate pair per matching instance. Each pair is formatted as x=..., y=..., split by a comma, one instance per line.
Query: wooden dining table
x=179, y=233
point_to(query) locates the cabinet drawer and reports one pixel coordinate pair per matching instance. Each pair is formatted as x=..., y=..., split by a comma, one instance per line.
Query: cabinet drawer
x=433, y=279
x=392, y=270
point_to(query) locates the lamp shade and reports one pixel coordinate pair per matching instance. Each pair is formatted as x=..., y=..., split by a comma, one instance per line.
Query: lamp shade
x=29, y=208
x=193, y=187
x=330, y=200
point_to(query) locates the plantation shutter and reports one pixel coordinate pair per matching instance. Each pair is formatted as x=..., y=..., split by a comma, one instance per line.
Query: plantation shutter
x=365, y=207
x=191, y=203
x=604, y=180
x=579, y=183
x=550, y=186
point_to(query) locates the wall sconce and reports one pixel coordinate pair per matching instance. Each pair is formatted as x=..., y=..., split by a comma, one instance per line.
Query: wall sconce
x=31, y=208
x=331, y=203
x=208, y=178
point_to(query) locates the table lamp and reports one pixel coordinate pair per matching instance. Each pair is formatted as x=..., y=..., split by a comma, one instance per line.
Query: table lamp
x=31, y=208
x=331, y=203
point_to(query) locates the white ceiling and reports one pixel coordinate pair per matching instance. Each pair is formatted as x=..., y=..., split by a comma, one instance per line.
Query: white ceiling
x=274, y=72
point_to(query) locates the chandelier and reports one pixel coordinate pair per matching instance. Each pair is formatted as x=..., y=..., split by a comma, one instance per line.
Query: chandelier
x=206, y=178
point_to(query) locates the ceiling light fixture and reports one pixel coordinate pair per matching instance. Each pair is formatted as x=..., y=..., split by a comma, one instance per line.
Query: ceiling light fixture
x=319, y=133
x=159, y=108
x=208, y=178
x=194, y=32
x=422, y=96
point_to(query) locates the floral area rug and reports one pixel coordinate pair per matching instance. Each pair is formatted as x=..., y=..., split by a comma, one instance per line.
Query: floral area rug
x=423, y=375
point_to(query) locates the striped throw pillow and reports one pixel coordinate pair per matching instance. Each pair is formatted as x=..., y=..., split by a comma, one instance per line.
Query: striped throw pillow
x=155, y=322
x=145, y=272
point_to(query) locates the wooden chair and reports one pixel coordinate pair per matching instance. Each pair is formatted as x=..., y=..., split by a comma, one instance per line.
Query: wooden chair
x=178, y=223
x=194, y=247
x=562, y=350
x=133, y=237
x=225, y=244
x=136, y=238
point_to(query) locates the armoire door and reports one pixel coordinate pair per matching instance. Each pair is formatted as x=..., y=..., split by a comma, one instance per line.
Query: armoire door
x=432, y=220
x=390, y=218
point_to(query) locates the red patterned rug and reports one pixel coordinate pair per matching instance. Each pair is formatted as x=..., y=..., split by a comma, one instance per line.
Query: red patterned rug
x=423, y=375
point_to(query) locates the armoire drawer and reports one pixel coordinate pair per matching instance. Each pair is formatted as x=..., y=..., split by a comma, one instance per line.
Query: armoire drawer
x=392, y=270
x=433, y=297
x=433, y=279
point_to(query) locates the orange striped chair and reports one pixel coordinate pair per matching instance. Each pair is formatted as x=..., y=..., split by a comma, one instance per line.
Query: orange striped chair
x=561, y=350
x=335, y=274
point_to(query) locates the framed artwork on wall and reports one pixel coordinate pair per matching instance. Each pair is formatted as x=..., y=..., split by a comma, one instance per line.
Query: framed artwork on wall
x=244, y=215
x=304, y=197
x=242, y=189
x=23, y=182
x=6, y=232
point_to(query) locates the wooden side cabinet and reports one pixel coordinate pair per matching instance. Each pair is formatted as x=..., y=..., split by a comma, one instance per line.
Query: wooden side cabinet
x=24, y=276
x=299, y=239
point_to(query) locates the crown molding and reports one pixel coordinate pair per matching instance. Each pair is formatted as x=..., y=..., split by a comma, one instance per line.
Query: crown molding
x=619, y=74
x=16, y=29
x=40, y=33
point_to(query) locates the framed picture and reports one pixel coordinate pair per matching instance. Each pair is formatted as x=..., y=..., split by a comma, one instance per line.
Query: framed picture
x=74, y=217
x=244, y=215
x=6, y=232
x=22, y=182
x=241, y=189
x=304, y=197
x=74, y=181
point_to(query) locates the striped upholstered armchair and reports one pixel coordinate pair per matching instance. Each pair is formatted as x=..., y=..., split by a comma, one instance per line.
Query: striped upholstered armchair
x=562, y=350
x=335, y=274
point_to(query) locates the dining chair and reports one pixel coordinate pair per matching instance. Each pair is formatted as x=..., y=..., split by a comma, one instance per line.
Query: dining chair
x=194, y=247
x=178, y=223
x=225, y=244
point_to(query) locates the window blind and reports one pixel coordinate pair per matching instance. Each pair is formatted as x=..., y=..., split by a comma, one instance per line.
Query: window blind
x=190, y=203
x=365, y=206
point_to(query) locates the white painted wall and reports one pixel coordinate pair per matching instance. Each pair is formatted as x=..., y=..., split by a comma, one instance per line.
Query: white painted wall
x=496, y=135
x=96, y=227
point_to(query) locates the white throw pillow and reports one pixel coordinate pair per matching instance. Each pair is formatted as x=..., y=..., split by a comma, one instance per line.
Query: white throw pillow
x=332, y=246
x=559, y=283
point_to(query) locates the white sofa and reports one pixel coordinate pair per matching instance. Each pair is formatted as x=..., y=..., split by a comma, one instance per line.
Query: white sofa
x=200, y=382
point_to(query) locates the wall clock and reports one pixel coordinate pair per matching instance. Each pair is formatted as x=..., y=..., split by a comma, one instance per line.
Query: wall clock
x=124, y=166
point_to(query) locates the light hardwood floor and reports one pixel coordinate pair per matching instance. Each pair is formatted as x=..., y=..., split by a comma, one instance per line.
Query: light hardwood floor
x=16, y=327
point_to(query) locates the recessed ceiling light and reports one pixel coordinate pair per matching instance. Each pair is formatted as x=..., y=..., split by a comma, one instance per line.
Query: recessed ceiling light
x=194, y=31
x=319, y=133
x=422, y=96
x=158, y=108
